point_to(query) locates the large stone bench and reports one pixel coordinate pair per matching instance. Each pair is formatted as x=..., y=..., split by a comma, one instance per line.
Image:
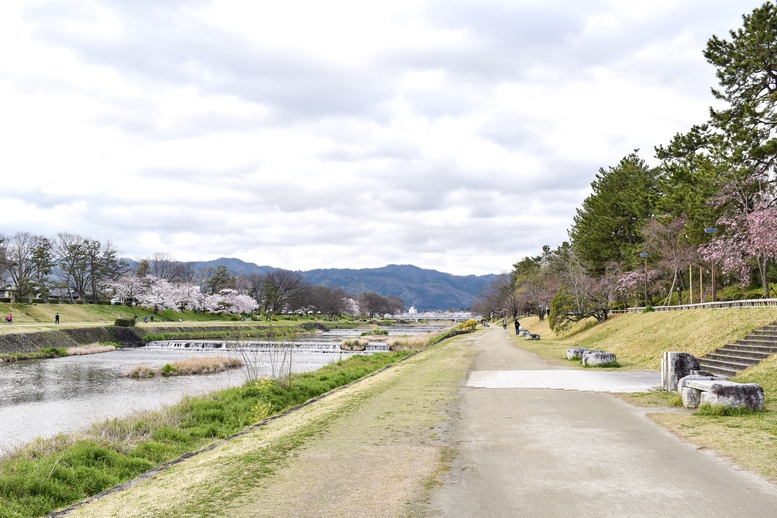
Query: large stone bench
x=698, y=390
x=590, y=357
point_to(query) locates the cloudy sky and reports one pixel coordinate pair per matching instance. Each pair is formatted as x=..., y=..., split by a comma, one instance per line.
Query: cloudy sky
x=458, y=135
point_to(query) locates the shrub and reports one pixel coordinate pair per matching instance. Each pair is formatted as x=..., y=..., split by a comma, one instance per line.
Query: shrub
x=469, y=325
x=168, y=370
x=124, y=322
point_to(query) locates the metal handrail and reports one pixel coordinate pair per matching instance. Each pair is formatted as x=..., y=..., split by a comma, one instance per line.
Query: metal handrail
x=750, y=303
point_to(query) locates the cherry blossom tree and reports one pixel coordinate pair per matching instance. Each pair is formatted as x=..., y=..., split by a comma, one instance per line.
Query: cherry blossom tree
x=235, y=302
x=159, y=294
x=748, y=236
x=128, y=288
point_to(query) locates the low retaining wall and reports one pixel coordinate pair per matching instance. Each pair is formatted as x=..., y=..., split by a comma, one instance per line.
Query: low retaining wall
x=127, y=336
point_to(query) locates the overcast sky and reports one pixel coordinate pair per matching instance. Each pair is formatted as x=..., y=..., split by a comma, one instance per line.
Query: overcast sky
x=455, y=135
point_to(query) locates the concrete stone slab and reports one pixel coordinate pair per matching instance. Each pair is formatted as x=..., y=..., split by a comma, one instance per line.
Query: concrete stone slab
x=588, y=381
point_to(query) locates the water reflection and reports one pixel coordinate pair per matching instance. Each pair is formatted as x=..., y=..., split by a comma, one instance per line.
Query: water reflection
x=40, y=398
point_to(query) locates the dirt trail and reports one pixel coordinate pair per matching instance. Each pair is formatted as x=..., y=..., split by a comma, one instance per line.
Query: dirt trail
x=374, y=449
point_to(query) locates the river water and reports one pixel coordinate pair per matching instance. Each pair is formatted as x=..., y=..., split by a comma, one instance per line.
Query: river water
x=41, y=398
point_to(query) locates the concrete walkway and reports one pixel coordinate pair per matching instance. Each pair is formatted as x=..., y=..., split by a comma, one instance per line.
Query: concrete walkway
x=593, y=381
x=536, y=452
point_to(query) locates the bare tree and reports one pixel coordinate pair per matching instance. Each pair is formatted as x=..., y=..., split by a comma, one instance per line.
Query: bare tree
x=490, y=301
x=163, y=266
x=280, y=290
x=328, y=300
x=28, y=258
x=186, y=273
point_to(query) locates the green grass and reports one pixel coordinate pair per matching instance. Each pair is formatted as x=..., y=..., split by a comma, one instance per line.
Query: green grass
x=640, y=339
x=46, y=352
x=54, y=473
x=39, y=313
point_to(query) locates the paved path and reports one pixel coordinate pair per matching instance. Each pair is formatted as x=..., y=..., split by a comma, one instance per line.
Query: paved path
x=594, y=381
x=543, y=453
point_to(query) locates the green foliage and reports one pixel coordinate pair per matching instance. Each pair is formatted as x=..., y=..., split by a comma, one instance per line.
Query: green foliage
x=724, y=410
x=54, y=352
x=561, y=304
x=469, y=325
x=124, y=322
x=608, y=365
x=52, y=474
x=648, y=309
x=607, y=227
x=168, y=370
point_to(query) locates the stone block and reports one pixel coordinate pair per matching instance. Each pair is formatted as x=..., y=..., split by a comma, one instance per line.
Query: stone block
x=594, y=358
x=675, y=366
x=683, y=382
x=691, y=397
x=576, y=353
x=735, y=395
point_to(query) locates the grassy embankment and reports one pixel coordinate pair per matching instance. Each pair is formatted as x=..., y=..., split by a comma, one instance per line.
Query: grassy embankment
x=376, y=448
x=639, y=341
x=49, y=474
x=39, y=317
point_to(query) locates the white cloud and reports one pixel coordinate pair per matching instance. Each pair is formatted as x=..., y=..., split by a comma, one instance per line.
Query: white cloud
x=454, y=135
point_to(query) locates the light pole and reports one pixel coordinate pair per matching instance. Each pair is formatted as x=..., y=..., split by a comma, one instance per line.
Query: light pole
x=645, y=255
x=711, y=230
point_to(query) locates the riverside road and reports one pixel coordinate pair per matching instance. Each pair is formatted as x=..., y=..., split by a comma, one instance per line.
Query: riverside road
x=529, y=451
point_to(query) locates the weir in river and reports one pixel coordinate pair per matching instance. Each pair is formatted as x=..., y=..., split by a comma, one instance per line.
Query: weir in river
x=41, y=398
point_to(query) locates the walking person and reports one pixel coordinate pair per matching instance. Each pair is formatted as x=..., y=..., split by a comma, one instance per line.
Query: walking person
x=517, y=326
x=9, y=319
x=56, y=319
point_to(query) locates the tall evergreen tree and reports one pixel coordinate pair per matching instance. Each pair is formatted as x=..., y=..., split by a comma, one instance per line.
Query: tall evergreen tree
x=607, y=227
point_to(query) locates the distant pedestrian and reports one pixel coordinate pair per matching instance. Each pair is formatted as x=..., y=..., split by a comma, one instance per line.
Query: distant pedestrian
x=152, y=319
x=9, y=319
x=136, y=319
x=504, y=323
x=145, y=320
x=56, y=319
x=517, y=326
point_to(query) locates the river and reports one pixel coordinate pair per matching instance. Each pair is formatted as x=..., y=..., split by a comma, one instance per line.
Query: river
x=41, y=398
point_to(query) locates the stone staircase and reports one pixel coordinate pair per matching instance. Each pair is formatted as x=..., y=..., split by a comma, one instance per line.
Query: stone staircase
x=729, y=360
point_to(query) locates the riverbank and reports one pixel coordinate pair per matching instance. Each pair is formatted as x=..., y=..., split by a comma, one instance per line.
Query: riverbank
x=46, y=474
x=376, y=448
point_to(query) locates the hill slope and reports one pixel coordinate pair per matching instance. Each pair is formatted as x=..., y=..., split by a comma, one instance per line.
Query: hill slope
x=419, y=287
x=424, y=289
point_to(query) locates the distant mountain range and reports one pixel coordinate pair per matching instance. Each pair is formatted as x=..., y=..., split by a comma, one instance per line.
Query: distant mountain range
x=425, y=289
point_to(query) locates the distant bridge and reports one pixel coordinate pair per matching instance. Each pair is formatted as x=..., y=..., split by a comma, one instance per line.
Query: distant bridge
x=459, y=316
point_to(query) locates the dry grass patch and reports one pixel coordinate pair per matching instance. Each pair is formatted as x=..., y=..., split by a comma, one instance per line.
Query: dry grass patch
x=188, y=367
x=90, y=349
x=749, y=440
x=206, y=365
x=408, y=343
